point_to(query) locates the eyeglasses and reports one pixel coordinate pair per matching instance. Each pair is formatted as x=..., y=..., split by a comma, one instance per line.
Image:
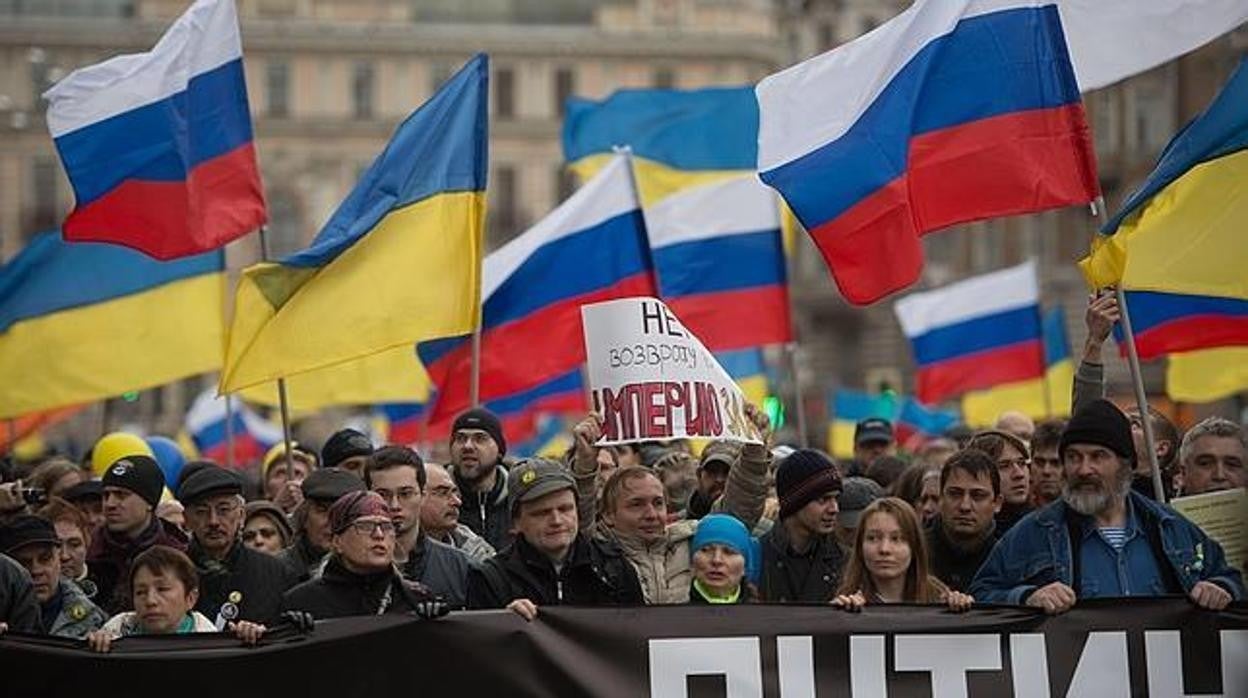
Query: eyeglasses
x=251, y=533
x=367, y=528
x=222, y=510
x=444, y=492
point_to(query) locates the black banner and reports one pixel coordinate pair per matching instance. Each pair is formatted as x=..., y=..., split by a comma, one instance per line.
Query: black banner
x=1100, y=649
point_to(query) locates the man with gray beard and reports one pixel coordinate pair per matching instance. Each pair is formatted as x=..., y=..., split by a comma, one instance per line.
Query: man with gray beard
x=1101, y=539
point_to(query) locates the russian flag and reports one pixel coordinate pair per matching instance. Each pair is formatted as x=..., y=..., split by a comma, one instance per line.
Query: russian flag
x=158, y=145
x=719, y=257
x=253, y=436
x=591, y=248
x=405, y=421
x=1166, y=323
x=976, y=333
x=954, y=111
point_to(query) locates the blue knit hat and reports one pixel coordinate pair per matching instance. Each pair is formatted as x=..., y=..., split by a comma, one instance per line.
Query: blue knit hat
x=727, y=530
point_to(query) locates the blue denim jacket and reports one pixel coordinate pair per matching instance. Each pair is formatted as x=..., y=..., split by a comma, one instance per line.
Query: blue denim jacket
x=1036, y=551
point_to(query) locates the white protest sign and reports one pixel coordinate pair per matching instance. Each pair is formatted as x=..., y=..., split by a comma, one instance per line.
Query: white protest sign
x=653, y=379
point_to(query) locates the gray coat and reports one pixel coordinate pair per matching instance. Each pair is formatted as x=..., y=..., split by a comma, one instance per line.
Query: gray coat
x=442, y=568
x=78, y=615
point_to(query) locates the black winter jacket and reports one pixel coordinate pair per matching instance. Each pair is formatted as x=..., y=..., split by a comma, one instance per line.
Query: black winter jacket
x=791, y=578
x=594, y=573
x=250, y=580
x=486, y=513
x=339, y=593
x=950, y=564
x=18, y=606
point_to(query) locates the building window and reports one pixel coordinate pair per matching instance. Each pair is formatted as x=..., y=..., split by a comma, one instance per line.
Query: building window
x=505, y=93
x=438, y=73
x=827, y=36
x=664, y=78
x=43, y=214
x=1105, y=121
x=362, y=90
x=565, y=184
x=284, y=232
x=503, y=217
x=565, y=86
x=277, y=88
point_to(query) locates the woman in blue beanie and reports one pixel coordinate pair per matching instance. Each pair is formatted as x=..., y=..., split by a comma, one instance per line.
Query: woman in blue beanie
x=724, y=558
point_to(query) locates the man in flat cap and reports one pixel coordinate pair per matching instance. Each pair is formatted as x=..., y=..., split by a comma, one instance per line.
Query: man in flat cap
x=235, y=582
x=66, y=610
x=551, y=561
x=320, y=490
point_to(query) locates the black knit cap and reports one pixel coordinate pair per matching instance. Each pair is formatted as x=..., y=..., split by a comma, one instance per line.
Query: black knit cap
x=485, y=420
x=1100, y=423
x=804, y=476
x=139, y=474
x=344, y=444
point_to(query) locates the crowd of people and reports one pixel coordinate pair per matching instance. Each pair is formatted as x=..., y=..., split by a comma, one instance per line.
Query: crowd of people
x=1040, y=515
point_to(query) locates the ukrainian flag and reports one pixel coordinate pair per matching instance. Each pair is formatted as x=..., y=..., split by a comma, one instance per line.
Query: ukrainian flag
x=391, y=376
x=679, y=138
x=848, y=407
x=1177, y=249
x=86, y=321
x=1037, y=398
x=399, y=261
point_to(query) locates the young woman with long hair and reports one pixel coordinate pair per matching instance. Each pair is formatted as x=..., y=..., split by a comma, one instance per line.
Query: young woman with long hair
x=889, y=562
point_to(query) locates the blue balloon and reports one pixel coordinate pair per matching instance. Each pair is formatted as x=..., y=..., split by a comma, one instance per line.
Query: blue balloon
x=169, y=457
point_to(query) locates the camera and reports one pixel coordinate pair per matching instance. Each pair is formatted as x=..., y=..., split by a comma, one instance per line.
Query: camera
x=34, y=496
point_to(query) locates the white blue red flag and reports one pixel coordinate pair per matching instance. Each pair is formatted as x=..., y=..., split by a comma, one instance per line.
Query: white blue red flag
x=591, y=248
x=718, y=258
x=252, y=434
x=953, y=111
x=976, y=333
x=158, y=145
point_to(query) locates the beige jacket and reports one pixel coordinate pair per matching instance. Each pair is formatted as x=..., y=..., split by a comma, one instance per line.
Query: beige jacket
x=664, y=567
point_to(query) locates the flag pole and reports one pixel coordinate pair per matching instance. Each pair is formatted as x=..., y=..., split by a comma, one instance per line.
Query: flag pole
x=282, y=402
x=791, y=349
x=1137, y=377
x=474, y=386
x=229, y=433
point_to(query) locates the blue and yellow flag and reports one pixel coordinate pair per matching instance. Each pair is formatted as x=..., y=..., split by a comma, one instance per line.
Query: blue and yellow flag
x=397, y=263
x=679, y=138
x=982, y=407
x=86, y=321
x=847, y=408
x=1177, y=248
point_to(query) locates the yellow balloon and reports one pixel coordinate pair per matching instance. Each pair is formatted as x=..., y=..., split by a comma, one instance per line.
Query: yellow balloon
x=115, y=446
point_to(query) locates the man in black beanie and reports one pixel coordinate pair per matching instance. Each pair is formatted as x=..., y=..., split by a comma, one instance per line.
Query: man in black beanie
x=477, y=450
x=1101, y=539
x=801, y=559
x=132, y=488
x=347, y=449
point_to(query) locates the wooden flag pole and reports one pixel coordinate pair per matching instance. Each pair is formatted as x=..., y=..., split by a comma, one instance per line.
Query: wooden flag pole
x=1137, y=377
x=229, y=433
x=281, y=382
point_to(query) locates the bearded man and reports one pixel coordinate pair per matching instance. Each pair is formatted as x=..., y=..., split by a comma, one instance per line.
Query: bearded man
x=1101, y=539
